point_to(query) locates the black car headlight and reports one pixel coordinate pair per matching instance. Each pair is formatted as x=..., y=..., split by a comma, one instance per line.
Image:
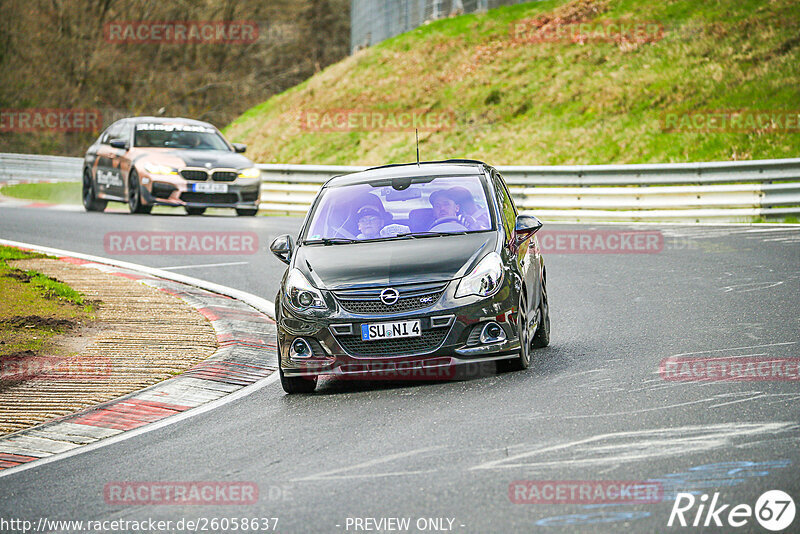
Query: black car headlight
x=484, y=280
x=301, y=295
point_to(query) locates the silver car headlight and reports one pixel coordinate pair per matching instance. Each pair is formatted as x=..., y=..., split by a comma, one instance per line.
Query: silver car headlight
x=300, y=294
x=484, y=280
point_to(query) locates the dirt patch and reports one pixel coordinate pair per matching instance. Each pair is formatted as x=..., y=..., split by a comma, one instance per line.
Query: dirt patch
x=19, y=275
x=36, y=321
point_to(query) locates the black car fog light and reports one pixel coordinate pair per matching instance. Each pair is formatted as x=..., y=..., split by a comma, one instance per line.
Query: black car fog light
x=300, y=349
x=305, y=299
x=492, y=333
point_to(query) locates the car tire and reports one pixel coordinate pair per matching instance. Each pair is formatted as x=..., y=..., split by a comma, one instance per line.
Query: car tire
x=195, y=211
x=523, y=361
x=90, y=200
x=246, y=212
x=297, y=384
x=542, y=337
x=135, y=194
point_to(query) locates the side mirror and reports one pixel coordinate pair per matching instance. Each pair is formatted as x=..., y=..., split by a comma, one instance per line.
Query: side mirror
x=239, y=148
x=524, y=228
x=118, y=143
x=282, y=247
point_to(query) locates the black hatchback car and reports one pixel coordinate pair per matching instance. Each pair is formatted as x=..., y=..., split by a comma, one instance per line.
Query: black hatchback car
x=416, y=267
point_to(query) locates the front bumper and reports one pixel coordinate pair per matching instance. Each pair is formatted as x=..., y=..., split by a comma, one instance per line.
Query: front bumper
x=447, y=344
x=170, y=190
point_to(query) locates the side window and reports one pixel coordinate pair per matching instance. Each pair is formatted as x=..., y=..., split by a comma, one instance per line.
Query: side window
x=124, y=132
x=112, y=132
x=507, y=210
x=106, y=136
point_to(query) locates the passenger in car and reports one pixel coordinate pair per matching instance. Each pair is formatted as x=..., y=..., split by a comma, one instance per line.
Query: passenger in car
x=372, y=224
x=454, y=209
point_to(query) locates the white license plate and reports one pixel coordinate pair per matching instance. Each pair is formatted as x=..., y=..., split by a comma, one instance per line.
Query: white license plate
x=210, y=188
x=374, y=331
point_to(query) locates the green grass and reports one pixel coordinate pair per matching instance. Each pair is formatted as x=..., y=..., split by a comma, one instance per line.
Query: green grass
x=34, y=307
x=52, y=288
x=58, y=193
x=11, y=253
x=552, y=103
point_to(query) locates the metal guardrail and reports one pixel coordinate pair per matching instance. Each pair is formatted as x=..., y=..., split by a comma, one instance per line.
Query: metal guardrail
x=717, y=191
x=35, y=167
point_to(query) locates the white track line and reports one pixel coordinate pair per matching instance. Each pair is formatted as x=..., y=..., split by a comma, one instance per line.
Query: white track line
x=263, y=305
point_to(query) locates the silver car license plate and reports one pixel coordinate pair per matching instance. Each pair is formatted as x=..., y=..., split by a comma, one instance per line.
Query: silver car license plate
x=210, y=188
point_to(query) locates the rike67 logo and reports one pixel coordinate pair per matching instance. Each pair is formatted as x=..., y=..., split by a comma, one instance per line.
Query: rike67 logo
x=774, y=511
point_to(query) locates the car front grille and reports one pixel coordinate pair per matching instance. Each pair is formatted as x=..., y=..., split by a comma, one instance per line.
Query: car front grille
x=224, y=176
x=191, y=174
x=210, y=198
x=429, y=341
x=201, y=175
x=412, y=297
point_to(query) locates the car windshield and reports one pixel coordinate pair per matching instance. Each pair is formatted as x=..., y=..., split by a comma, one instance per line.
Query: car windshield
x=400, y=208
x=184, y=136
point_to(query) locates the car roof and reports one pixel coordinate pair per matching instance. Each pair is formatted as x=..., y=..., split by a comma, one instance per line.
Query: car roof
x=167, y=120
x=454, y=167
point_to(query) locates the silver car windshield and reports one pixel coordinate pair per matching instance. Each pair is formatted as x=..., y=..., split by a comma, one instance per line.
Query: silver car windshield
x=178, y=136
x=422, y=206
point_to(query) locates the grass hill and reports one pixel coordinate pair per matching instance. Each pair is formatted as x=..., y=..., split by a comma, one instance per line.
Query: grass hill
x=532, y=101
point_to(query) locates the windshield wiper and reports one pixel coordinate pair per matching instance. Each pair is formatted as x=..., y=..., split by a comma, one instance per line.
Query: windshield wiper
x=431, y=234
x=329, y=241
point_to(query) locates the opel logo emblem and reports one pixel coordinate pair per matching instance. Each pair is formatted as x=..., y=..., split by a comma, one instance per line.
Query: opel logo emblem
x=389, y=296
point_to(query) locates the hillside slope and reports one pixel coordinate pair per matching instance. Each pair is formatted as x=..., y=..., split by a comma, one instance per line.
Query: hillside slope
x=517, y=98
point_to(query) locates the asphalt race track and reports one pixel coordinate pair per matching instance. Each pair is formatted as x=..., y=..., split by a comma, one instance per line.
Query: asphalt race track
x=593, y=406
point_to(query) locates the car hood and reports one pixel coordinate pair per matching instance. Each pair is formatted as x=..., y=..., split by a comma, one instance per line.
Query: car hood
x=402, y=261
x=196, y=158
